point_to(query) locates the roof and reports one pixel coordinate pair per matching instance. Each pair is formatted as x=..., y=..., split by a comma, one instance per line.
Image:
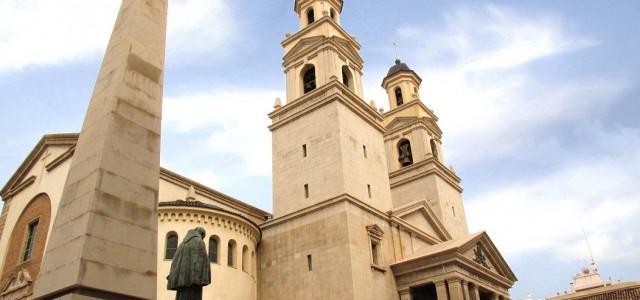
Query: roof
x=199, y=204
x=70, y=139
x=459, y=246
x=400, y=67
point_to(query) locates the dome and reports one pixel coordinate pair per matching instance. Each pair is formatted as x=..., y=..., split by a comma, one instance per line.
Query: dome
x=398, y=67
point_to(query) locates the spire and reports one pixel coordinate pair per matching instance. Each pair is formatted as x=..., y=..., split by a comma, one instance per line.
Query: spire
x=104, y=238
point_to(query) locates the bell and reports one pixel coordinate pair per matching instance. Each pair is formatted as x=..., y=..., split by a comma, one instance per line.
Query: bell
x=406, y=161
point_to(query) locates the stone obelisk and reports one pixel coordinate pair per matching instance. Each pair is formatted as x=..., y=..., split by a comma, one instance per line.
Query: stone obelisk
x=103, y=242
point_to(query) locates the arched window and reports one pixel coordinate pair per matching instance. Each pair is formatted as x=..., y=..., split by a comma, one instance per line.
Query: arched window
x=332, y=13
x=213, y=249
x=309, y=79
x=434, y=148
x=347, y=79
x=311, y=17
x=405, y=157
x=245, y=258
x=171, y=245
x=231, y=254
x=399, y=100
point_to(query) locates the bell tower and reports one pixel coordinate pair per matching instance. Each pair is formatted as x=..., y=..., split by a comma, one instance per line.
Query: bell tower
x=321, y=51
x=327, y=141
x=414, y=152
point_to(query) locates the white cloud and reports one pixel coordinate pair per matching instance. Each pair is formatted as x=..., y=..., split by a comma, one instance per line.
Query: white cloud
x=599, y=194
x=45, y=32
x=233, y=122
x=478, y=78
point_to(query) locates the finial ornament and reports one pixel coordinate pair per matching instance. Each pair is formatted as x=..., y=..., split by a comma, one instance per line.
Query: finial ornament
x=278, y=103
x=372, y=103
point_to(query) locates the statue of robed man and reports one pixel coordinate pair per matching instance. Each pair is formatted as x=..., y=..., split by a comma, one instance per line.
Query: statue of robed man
x=190, y=269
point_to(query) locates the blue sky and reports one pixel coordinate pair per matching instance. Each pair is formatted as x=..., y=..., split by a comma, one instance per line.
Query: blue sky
x=538, y=101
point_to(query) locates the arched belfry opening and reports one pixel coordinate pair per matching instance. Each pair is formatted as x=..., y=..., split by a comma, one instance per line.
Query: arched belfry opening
x=309, y=78
x=311, y=17
x=332, y=13
x=399, y=99
x=434, y=149
x=347, y=78
x=405, y=156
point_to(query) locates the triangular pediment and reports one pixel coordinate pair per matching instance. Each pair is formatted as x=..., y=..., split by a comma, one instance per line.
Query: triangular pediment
x=305, y=45
x=482, y=252
x=401, y=122
x=420, y=215
x=22, y=177
x=476, y=252
x=308, y=45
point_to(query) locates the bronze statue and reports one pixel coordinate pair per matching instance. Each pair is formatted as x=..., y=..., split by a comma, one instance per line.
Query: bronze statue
x=190, y=270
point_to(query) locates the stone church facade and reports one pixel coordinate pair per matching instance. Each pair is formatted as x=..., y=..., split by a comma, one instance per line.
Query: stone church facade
x=363, y=204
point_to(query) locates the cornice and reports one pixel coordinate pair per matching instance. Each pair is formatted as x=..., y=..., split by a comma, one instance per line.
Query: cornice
x=201, y=189
x=326, y=94
x=60, y=159
x=318, y=23
x=407, y=105
x=416, y=123
x=204, y=215
x=317, y=44
x=20, y=187
x=346, y=198
x=438, y=169
x=409, y=208
x=455, y=256
x=25, y=166
x=400, y=76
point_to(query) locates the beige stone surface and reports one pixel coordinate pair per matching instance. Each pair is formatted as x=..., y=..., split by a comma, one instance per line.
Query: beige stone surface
x=104, y=236
x=227, y=282
x=315, y=247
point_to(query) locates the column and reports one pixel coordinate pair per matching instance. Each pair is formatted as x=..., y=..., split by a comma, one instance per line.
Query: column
x=405, y=294
x=103, y=241
x=475, y=293
x=441, y=290
x=455, y=289
x=465, y=290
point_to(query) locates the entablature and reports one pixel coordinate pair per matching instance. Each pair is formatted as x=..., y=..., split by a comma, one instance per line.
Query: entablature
x=328, y=93
x=429, y=166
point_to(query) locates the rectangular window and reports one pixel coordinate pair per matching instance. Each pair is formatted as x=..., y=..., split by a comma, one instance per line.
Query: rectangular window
x=306, y=191
x=369, y=190
x=364, y=150
x=309, y=263
x=31, y=236
x=374, y=253
x=304, y=150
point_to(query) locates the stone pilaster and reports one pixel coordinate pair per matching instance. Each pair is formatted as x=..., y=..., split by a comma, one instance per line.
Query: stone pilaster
x=441, y=290
x=405, y=294
x=455, y=289
x=103, y=241
x=465, y=290
x=475, y=293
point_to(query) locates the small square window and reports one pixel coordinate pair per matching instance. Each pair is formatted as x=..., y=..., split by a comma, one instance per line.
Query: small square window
x=309, y=263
